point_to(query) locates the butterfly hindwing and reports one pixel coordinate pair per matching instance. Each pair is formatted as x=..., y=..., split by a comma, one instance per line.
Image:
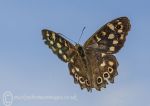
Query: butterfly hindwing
x=111, y=37
x=59, y=45
x=105, y=71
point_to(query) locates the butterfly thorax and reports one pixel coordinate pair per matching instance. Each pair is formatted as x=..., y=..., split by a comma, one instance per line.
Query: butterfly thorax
x=82, y=55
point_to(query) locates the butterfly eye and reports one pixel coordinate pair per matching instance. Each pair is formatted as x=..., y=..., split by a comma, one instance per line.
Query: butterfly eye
x=99, y=80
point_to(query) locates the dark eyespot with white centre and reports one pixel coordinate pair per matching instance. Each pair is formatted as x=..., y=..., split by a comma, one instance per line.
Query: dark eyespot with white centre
x=119, y=26
x=110, y=70
x=106, y=75
x=99, y=80
x=87, y=82
x=76, y=76
x=81, y=80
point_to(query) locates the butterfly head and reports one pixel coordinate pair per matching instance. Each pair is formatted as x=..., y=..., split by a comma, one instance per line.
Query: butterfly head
x=80, y=50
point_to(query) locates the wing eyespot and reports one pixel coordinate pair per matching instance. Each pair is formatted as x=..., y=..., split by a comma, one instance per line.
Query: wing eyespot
x=87, y=82
x=110, y=70
x=99, y=80
x=81, y=80
x=119, y=26
x=106, y=75
x=76, y=76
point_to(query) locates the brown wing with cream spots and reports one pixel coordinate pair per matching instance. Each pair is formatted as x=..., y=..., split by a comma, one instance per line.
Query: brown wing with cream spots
x=111, y=37
x=80, y=76
x=59, y=45
x=104, y=71
x=79, y=70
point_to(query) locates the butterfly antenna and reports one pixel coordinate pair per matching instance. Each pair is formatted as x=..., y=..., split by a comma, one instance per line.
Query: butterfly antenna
x=81, y=34
x=67, y=37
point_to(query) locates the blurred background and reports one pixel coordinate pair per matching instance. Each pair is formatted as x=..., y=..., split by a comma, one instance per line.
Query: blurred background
x=29, y=68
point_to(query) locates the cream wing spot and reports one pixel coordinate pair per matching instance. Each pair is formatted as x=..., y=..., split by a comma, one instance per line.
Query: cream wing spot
x=51, y=42
x=103, y=54
x=73, y=70
x=60, y=51
x=119, y=23
x=60, y=40
x=53, y=36
x=122, y=37
x=112, y=48
x=66, y=44
x=103, y=33
x=111, y=36
x=111, y=26
x=115, y=42
x=47, y=34
x=110, y=63
x=58, y=45
x=71, y=60
x=120, y=31
x=77, y=69
x=103, y=64
x=64, y=57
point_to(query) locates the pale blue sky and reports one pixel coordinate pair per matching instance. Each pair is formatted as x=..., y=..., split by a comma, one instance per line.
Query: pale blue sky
x=28, y=67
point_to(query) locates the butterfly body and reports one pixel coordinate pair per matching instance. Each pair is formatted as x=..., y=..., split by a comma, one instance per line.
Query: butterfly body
x=92, y=65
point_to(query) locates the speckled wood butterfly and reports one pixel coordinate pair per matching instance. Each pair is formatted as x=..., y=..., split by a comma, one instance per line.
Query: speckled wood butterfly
x=92, y=65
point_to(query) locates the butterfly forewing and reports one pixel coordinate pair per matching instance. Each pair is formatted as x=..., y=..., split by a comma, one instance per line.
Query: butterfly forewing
x=111, y=37
x=59, y=45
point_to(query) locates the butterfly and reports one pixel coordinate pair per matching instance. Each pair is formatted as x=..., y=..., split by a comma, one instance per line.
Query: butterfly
x=92, y=65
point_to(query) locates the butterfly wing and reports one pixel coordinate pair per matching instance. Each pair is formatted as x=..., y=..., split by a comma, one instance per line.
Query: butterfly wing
x=111, y=37
x=59, y=45
x=104, y=70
